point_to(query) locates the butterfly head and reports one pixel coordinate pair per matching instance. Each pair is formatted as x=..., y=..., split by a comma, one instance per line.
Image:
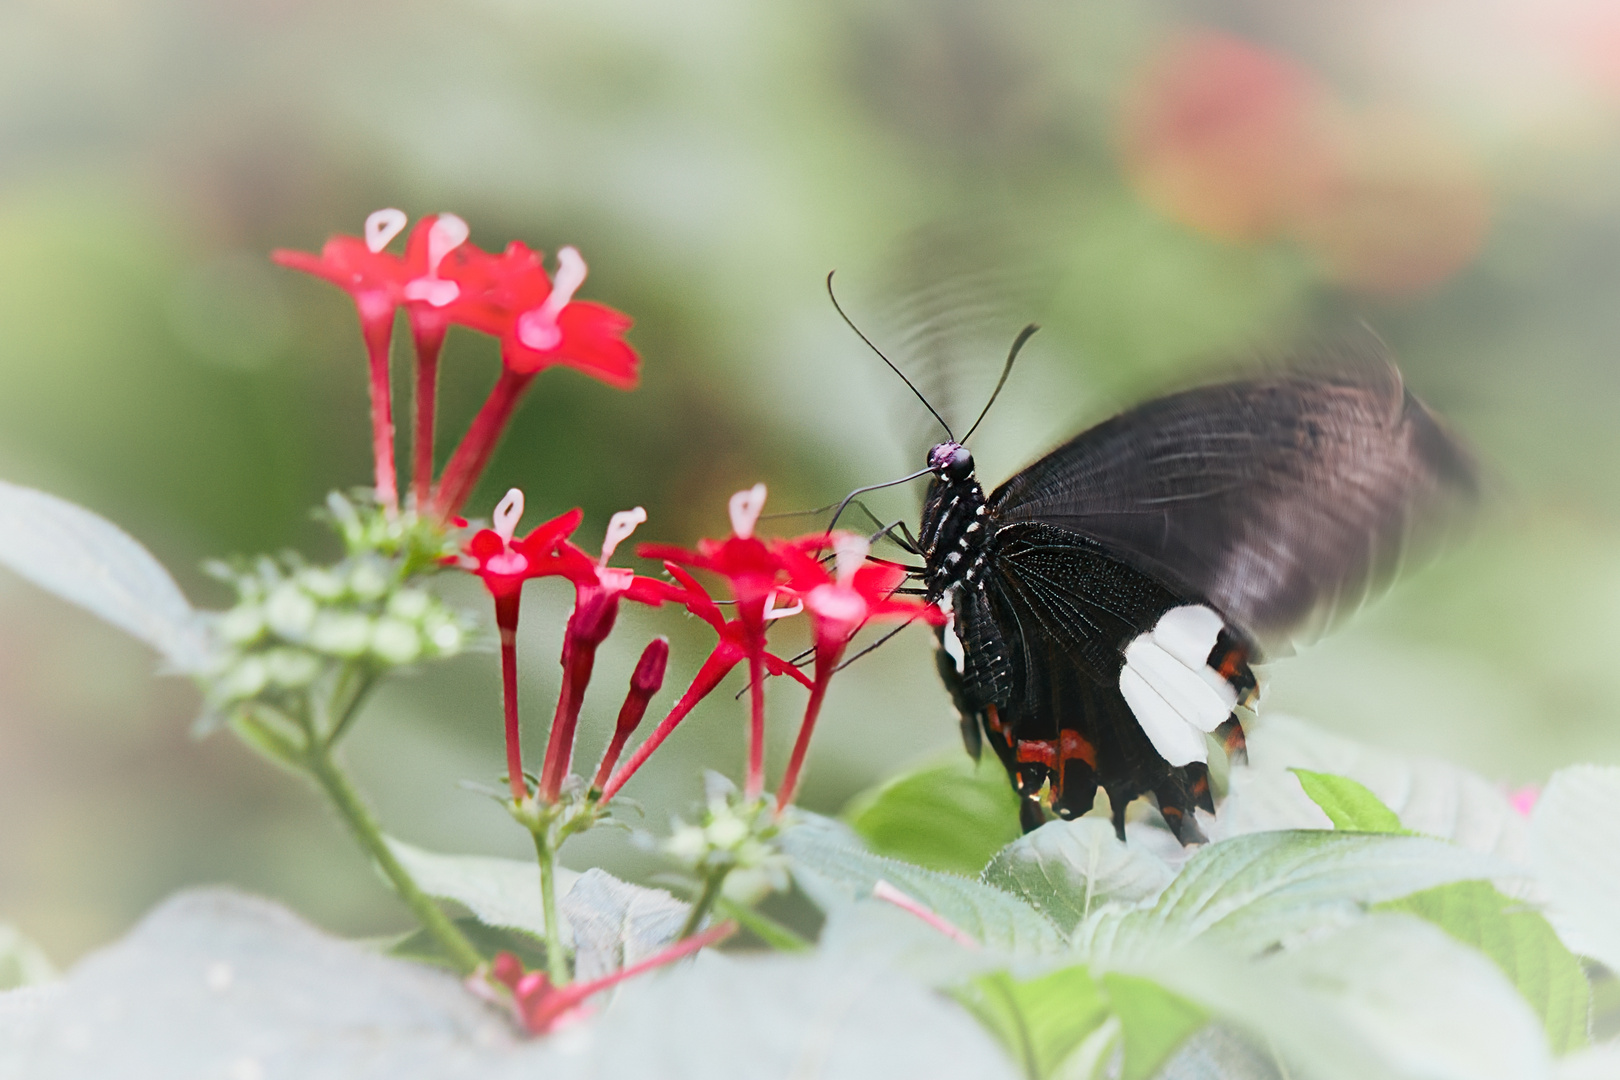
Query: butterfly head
x=950, y=461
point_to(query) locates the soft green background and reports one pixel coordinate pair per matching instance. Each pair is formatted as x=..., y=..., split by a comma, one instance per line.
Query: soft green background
x=713, y=160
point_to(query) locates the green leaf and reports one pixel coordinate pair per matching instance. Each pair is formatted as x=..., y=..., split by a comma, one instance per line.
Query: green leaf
x=498, y=892
x=1521, y=943
x=1385, y=996
x=1255, y=891
x=1576, y=858
x=1067, y=869
x=1349, y=805
x=951, y=816
x=1153, y=1022
x=1040, y=1021
x=87, y=560
x=488, y=940
x=22, y=963
x=832, y=867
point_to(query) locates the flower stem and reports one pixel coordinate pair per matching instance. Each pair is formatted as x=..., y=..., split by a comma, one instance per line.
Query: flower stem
x=705, y=902
x=363, y=826
x=556, y=962
x=506, y=618
x=467, y=463
x=754, y=785
x=429, y=337
x=826, y=664
x=378, y=333
x=708, y=677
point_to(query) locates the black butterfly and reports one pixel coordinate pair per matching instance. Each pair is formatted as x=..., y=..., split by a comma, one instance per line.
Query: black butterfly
x=1108, y=601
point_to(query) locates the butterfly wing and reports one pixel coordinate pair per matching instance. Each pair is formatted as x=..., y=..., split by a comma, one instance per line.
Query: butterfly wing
x=1282, y=500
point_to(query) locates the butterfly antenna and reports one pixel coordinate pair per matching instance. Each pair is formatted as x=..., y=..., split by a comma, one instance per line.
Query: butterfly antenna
x=872, y=487
x=1012, y=354
x=851, y=324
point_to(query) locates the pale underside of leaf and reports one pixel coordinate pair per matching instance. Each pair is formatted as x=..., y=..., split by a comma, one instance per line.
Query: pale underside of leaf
x=498, y=892
x=1067, y=869
x=615, y=924
x=87, y=560
x=1578, y=861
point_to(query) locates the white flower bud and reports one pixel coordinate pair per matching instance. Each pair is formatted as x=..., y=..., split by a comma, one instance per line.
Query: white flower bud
x=444, y=634
x=367, y=582
x=687, y=844
x=726, y=832
x=291, y=669
x=344, y=634
x=320, y=583
x=409, y=604
x=290, y=612
x=395, y=641
x=244, y=680
x=242, y=625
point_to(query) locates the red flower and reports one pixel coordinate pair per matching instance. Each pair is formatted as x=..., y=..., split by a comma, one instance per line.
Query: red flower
x=543, y=1006
x=838, y=605
x=374, y=278
x=753, y=573
x=540, y=325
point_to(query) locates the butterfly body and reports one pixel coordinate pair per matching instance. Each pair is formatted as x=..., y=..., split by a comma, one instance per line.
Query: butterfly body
x=1107, y=602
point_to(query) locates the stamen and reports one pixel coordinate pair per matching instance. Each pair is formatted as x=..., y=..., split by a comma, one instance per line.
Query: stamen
x=538, y=327
x=382, y=226
x=619, y=529
x=447, y=233
x=850, y=551
x=745, y=509
x=774, y=612
x=508, y=513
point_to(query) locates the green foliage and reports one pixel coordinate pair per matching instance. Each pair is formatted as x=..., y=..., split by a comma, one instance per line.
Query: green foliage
x=1349, y=805
x=830, y=864
x=488, y=940
x=1042, y=1020
x=498, y=892
x=1068, y=869
x=1577, y=859
x=1153, y=1022
x=952, y=815
x=1522, y=944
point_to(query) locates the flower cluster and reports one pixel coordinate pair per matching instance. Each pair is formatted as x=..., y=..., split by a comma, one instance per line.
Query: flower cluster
x=444, y=279
x=295, y=624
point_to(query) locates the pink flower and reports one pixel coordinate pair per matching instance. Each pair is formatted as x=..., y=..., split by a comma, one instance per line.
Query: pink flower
x=1524, y=799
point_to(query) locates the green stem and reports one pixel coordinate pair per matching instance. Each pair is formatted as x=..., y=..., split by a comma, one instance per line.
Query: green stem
x=705, y=901
x=763, y=927
x=556, y=962
x=365, y=830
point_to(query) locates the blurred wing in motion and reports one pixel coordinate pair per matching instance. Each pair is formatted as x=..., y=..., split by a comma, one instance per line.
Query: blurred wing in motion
x=1284, y=499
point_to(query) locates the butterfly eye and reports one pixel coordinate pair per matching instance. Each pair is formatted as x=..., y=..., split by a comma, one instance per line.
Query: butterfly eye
x=960, y=464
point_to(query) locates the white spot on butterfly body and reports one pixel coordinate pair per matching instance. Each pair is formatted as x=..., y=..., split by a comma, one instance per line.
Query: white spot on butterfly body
x=951, y=643
x=1171, y=689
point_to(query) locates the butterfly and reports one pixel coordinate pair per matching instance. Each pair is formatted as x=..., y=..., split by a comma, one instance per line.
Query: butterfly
x=1107, y=605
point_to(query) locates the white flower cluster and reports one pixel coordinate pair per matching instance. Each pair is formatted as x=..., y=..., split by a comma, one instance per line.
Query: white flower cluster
x=734, y=837
x=291, y=625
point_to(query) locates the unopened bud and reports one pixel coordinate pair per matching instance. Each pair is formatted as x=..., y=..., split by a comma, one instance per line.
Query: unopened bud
x=593, y=619
x=649, y=674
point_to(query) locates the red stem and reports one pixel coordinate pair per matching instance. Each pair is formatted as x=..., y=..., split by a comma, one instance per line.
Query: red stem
x=506, y=617
x=466, y=465
x=715, y=668
x=429, y=335
x=579, y=658
x=826, y=664
x=378, y=330
x=754, y=786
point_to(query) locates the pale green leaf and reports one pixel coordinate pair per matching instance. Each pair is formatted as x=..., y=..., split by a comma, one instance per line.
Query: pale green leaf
x=1255, y=891
x=498, y=892
x=1577, y=860
x=1521, y=943
x=1153, y=1022
x=1041, y=1021
x=833, y=868
x=87, y=560
x=616, y=924
x=952, y=815
x=1349, y=805
x=1067, y=869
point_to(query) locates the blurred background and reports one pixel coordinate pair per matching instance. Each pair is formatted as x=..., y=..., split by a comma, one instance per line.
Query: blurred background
x=1166, y=187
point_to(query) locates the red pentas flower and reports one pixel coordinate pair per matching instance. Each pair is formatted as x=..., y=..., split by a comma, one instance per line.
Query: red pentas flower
x=540, y=325
x=504, y=563
x=754, y=574
x=543, y=1007
x=366, y=271
x=838, y=604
